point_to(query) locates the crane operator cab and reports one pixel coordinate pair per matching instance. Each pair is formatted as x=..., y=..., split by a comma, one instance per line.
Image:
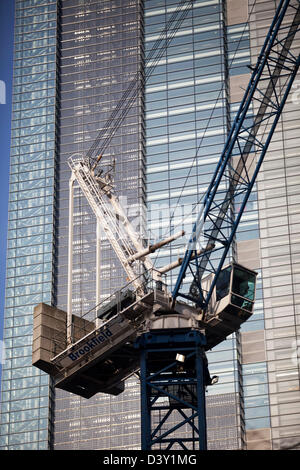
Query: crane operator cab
x=232, y=301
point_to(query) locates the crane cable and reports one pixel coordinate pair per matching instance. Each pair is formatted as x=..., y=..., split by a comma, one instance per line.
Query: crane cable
x=137, y=84
x=203, y=135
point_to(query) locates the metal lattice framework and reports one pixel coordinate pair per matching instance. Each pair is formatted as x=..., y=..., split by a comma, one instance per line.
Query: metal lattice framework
x=170, y=387
x=106, y=208
x=249, y=138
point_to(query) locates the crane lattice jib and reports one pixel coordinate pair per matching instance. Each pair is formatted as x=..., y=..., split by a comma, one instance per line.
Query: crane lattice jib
x=248, y=139
x=116, y=232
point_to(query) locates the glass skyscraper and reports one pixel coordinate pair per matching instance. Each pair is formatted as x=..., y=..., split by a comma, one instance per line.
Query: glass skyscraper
x=73, y=62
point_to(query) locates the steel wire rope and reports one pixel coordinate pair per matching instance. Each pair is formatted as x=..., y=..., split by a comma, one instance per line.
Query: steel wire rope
x=266, y=124
x=203, y=135
x=205, y=129
x=138, y=83
x=263, y=105
x=134, y=82
x=84, y=215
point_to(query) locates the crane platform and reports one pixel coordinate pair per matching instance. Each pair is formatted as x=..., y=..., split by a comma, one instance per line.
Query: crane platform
x=102, y=357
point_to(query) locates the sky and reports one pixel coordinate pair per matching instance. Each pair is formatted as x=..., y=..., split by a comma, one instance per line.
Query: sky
x=6, y=51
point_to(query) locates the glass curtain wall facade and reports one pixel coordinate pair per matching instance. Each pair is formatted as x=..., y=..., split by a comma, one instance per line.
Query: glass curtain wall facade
x=26, y=399
x=271, y=359
x=73, y=61
x=101, y=52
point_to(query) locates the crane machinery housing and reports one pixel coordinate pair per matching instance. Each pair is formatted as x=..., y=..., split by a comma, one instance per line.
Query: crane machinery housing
x=145, y=327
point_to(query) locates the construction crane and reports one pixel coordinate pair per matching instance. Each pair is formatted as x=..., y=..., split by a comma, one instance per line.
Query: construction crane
x=144, y=327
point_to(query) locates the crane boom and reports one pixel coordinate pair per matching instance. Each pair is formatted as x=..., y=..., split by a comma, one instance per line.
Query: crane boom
x=98, y=192
x=262, y=105
x=98, y=196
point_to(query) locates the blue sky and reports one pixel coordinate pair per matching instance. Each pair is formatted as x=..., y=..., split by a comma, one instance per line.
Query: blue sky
x=6, y=51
